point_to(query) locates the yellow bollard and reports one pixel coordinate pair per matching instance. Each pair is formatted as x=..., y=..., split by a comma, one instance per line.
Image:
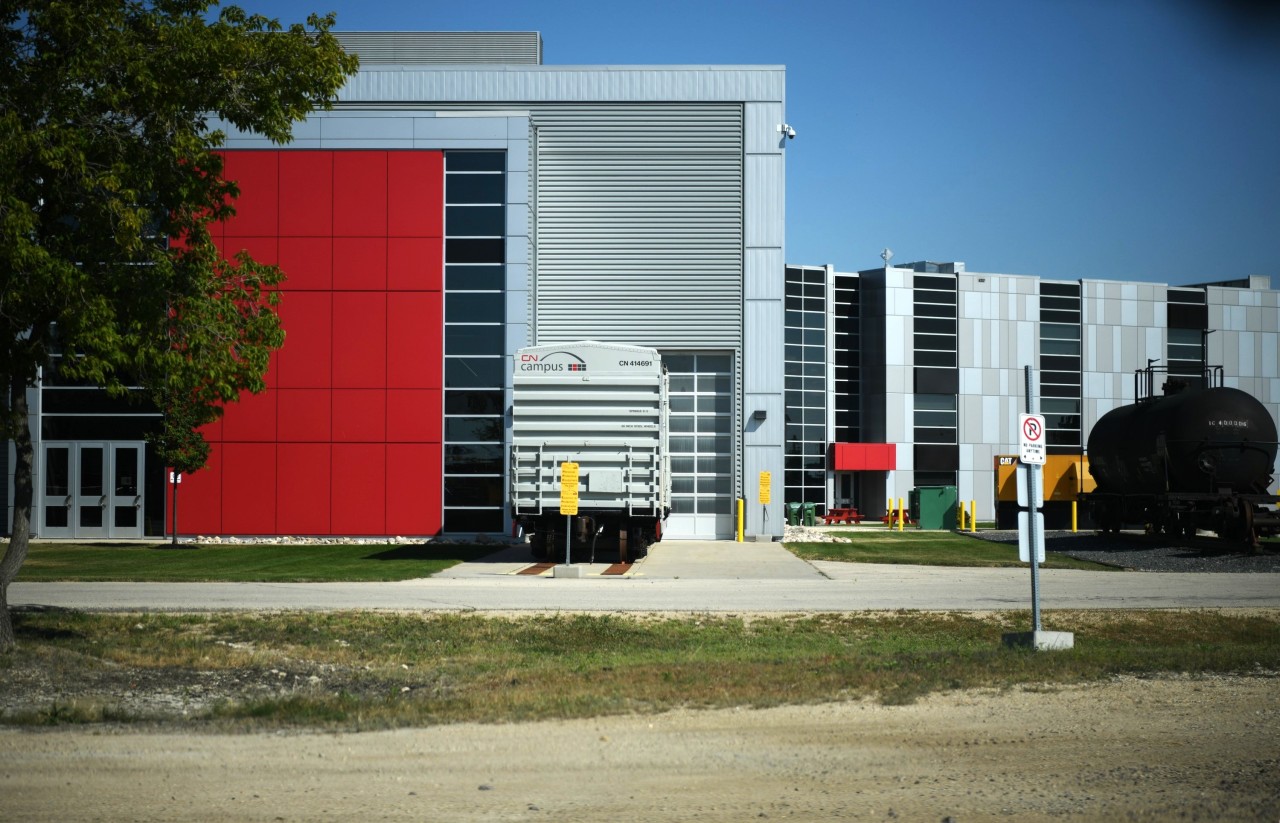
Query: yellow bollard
x=973, y=516
x=742, y=505
x=1074, y=504
x=888, y=514
x=900, y=514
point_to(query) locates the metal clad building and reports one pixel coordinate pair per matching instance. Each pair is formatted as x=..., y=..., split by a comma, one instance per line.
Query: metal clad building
x=910, y=376
x=461, y=201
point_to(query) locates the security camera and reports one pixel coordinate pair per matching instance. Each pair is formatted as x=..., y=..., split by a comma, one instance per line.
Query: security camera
x=788, y=131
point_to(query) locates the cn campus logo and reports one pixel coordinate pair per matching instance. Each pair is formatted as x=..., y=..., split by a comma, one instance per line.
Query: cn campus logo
x=552, y=362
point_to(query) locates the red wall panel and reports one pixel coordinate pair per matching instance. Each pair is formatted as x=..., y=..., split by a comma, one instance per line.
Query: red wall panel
x=414, y=416
x=360, y=194
x=360, y=263
x=358, y=504
x=415, y=263
x=252, y=418
x=249, y=488
x=302, y=486
x=304, y=415
x=360, y=340
x=200, y=498
x=415, y=344
x=348, y=439
x=257, y=207
x=359, y=416
x=306, y=194
x=307, y=263
x=864, y=456
x=415, y=194
x=306, y=358
x=413, y=489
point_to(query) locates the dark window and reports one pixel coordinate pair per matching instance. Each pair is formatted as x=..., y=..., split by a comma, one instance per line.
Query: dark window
x=1060, y=289
x=1067, y=303
x=489, y=250
x=474, y=340
x=472, y=520
x=936, y=358
x=1188, y=317
x=936, y=458
x=473, y=491
x=464, y=221
x=473, y=401
x=1060, y=362
x=936, y=381
x=475, y=278
x=462, y=307
x=1058, y=316
x=933, y=326
x=939, y=342
x=925, y=310
x=476, y=429
x=475, y=161
x=475, y=188
x=473, y=372
x=922, y=281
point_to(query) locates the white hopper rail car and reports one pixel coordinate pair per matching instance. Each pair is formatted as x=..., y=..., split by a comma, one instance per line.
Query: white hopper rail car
x=603, y=406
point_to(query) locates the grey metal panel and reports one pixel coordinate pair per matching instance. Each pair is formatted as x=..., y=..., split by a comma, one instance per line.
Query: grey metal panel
x=765, y=189
x=413, y=47
x=414, y=84
x=762, y=347
x=639, y=224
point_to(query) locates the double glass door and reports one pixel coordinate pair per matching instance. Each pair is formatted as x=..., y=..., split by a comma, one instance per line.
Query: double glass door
x=91, y=490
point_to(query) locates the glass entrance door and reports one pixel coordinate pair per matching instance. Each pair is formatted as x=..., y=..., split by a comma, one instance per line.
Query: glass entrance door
x=92, y=490
x=55, y=516
x=126, y=492
x=90, y=496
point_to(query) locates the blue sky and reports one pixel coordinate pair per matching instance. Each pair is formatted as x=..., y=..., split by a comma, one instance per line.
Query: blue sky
x=1125, y=139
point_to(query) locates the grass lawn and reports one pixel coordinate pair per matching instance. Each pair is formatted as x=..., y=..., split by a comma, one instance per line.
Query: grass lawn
x=927, y=548
x=241, y=563
x=379, y=670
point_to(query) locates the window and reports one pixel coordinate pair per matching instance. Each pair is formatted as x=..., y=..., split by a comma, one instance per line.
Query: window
x=475, y=317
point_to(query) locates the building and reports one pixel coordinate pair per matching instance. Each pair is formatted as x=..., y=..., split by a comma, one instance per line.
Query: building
x=461, y=201
x=913, y=375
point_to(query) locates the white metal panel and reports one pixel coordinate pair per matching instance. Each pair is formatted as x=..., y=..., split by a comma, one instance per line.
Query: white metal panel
x=639, y=224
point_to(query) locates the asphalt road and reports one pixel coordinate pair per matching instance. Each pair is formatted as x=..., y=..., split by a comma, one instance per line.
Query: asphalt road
x=687, y=577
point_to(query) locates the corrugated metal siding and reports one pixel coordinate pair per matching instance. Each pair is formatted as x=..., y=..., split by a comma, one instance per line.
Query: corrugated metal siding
x=452, y=47
x=639, y=224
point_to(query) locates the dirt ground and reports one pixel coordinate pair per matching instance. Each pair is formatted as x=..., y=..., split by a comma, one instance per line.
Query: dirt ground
x=1192, y=748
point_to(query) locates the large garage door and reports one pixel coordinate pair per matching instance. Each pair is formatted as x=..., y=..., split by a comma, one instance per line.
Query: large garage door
x=702, y=446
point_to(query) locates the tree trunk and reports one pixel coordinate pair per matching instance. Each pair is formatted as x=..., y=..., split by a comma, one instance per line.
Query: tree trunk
x=20, y=537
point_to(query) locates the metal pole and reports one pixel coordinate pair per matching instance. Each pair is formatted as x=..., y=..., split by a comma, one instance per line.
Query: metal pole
x=568, y=532
x=1033, y=495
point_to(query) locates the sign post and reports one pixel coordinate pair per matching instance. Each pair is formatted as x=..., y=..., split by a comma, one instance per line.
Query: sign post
x=568, y=502
x=175, y=478
x=1031, y=454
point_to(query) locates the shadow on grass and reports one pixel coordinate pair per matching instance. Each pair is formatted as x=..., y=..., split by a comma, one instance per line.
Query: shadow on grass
x=25, y=616
x=428, y=551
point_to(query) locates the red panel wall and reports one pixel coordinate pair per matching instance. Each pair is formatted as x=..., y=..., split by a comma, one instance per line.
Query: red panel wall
x=347, y=438
x=864, y=456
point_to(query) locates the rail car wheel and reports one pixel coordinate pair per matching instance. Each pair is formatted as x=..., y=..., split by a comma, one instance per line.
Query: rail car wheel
x=538, y=545
x=638, y=543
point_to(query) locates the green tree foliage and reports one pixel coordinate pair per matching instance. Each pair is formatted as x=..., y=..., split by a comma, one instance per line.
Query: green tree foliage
x=106, y=150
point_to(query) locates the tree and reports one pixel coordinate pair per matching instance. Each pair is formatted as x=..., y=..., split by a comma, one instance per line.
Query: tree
x=106, y=152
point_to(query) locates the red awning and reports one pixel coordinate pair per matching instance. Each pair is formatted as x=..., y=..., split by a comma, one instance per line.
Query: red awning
x=861, y=457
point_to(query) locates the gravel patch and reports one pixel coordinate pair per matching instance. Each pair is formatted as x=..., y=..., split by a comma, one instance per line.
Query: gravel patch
x=1140, y=552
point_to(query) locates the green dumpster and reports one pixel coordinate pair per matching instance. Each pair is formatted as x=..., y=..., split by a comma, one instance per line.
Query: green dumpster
x=793, y=514
x=809, y=514
x=934, y=507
